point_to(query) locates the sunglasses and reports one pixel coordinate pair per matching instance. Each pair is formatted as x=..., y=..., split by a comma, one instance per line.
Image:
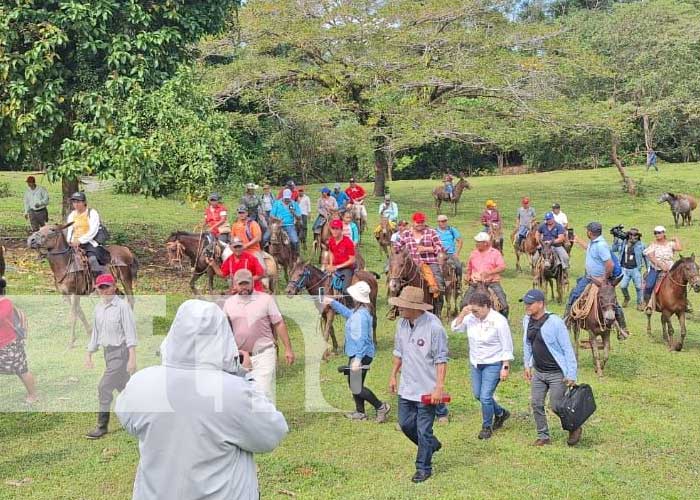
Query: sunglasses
x=103, y=287
x=659, y=232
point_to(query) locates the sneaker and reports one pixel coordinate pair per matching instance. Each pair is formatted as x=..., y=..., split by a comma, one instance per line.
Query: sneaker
x=485, y=433
x=383, y=412
x=96, y=433
x=420, y=476
x=499, y=420
x=356, y=416
x=438, y=447
x=574, y=436
x=542, y=442
x=443, y=420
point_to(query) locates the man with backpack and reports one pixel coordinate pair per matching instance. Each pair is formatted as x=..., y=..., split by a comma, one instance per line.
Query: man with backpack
x=600, y=264
x=452, y=243
x=250, y=233
x=85, y=231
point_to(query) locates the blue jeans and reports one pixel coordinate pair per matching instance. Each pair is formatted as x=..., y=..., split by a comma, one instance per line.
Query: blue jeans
x=485, y=379
x=290, y=230
x=416, y=421
x=635, y=276
x=441, y=410
x=581, y=285
x=652, y=276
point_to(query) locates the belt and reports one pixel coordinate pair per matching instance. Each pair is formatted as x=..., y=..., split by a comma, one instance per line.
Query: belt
x=37, y=209
x=114, y=347
x=260, y=351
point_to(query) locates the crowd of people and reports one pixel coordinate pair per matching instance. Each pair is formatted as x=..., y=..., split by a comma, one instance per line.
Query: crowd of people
x=234, y=345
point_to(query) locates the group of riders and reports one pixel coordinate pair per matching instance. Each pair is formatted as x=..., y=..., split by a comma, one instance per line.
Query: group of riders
x=244, y=240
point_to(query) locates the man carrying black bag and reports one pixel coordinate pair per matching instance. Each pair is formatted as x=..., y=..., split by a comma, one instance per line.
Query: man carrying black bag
x=549, y=360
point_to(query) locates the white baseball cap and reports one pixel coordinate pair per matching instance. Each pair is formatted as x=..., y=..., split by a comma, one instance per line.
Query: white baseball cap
x=659, y=229
x=482, y=236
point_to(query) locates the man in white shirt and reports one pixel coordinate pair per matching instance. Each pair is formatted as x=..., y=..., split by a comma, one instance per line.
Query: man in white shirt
x=559, y=216
x=305, y=206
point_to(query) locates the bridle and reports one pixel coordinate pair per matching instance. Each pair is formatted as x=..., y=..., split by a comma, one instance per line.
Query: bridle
x=401, y=281
x=300, y=283
x=695, y=281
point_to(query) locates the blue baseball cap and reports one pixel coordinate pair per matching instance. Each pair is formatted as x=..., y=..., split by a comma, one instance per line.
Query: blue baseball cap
x=533, y=296
x=325, y=190
x=548, y=216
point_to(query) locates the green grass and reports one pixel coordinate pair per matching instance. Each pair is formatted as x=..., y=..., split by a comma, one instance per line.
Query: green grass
x=642, y=442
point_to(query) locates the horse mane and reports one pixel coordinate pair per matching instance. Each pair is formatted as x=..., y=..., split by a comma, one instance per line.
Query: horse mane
x=679, y=262
x=178, y=234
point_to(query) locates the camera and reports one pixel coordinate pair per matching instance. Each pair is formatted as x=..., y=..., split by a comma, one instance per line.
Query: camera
x=618, y=232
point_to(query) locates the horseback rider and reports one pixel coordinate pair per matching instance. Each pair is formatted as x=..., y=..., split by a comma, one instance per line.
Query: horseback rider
x=400, y=228
x=490, y=215
x=600, y=265
x=632, y=258
x=252, y=202
x=215, y=217
x=425, y=249
x=287, y=211
x=388, y=210
x=524, y=217
x=559, y=216
x=266, y=201
x=485, y=266
x=250, y=233
x=357, y=195
x=449, y=187
x=552, y=233
x=305, y=207
x=342, y=252
x=292, y=188
x=239, y=259
x=660, y=253
x=82, y=232
x=340, y=196
x=452, y=243
x=350, y=228
x=326, y=205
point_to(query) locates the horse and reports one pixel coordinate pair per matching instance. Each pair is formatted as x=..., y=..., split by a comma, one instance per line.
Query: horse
x=528, y=245
x=72, y=275
x=440, y=195
x=384, y=236
x=682, y=206
x=597, y=318
x=193, y=246
x=548, y=271
x=321, y=238
x=496, y=234
x=281, y=248
x=671, y=297
x=358, y=217
x=453, y=287
x=404, y=272
x=304, y=276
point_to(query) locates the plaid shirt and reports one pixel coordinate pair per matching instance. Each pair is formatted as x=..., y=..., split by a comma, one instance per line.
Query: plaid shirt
x=430, y=238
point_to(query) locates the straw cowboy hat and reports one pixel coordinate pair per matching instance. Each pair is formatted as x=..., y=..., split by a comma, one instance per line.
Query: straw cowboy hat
x=411, y=297
x=360, y=292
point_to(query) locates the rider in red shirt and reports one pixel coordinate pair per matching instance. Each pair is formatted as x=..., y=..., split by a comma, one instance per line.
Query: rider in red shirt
x=343, y=252
x=240, y=260
x=357, y=194
x=293, y=188
x=215, y=218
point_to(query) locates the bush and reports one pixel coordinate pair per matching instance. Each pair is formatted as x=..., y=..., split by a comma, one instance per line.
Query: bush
x=5, y=189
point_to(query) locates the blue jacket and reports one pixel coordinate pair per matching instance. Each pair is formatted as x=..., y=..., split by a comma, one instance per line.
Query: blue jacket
x=342, y=198
x=358, y=330
x=556, y=338
x=354, y=233
x=639, y=257
x=284, y=212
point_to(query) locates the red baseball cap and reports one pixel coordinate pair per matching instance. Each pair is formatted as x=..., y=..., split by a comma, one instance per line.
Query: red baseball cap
x=526, y=200
x=418, y=217
x=104, y=279
x=31, y=179
x=336, y=224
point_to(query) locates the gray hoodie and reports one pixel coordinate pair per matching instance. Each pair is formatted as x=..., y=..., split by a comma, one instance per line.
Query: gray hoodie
x=197, y=420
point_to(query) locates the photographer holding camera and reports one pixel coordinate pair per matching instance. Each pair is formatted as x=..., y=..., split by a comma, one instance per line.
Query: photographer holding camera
x=630, y=250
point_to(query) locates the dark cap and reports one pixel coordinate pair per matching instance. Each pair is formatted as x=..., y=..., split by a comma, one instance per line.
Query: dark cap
x=242, y=209
x=595, y=227
x=78, y=196
x=533, y=296
x=214, y=197
x=555, y=205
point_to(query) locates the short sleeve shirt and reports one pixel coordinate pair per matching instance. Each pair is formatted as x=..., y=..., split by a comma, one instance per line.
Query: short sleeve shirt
x=661, y=253
x=355, y=192
x=214, y=215
x=526, y=215
x=245, y=261
x=252, y=318
x=551, y=234
x=487, y=261
x=597, y=255
x=341, y=250
x=449, y=238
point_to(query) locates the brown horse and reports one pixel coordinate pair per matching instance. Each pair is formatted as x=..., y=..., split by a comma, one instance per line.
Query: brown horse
x=549, y=271
x=182, y=244
x=441, y=196
x=384, y=236
x=321, y=238
x=496, y=234
x=281, y=248
x=598, y=319
x=305, y=276
x=72, y=276
x=404, y=272
x=358, y=217
x=672, y=298
x=453, y=288
x=528, y=245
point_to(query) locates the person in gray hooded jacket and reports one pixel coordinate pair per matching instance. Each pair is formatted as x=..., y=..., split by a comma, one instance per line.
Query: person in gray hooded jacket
x=197, y=417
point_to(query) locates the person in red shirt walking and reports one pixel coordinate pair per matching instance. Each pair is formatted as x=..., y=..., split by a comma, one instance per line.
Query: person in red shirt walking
x=240, y=259
x=343, y=254
x=215, y=217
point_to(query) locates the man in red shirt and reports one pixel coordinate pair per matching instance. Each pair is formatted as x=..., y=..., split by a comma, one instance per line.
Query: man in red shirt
x=292, y=187
x=240, y=260
x=215, y=217
x=343, y=254
x=357, y=194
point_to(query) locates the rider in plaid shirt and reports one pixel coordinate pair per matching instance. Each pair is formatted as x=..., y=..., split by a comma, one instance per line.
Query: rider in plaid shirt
x=424, y=246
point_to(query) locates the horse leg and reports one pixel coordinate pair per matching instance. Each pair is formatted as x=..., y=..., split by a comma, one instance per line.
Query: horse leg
x=127, y=281
x=517, y=262
x=606, y=350
x=576, y=342
x=73, y=319
x=648, y=324
x=681, y=320
x=331, y=331
x=594, y=351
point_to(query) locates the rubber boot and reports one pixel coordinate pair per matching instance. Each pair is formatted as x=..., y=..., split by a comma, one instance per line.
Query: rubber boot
x=626, y=295
x=102, y=424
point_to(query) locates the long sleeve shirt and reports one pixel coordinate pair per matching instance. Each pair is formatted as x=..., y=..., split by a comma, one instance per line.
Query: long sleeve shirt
x=358, y=330
x=35, y=199
x=490, y=340
x=114, y=325
x=391, y=211
x=305, y=204
x=429, y=238
x=94, y=227
x=556, y=338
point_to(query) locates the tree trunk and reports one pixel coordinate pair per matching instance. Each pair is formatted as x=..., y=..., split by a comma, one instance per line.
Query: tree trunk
x=648, y=132
x=389, y=166
x=501, y=162
x=626, y=179
x=380, y=169
x=68, y=187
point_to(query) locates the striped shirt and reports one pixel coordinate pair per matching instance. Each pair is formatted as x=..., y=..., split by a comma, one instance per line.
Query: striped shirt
x=429, y=238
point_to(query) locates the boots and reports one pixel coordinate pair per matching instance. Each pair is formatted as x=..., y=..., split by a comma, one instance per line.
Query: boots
x=622, y=323
x=626, y=295
x=101, y=429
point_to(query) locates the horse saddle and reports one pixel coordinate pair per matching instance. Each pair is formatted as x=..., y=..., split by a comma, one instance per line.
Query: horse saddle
x=660, y=282
x=338, y=282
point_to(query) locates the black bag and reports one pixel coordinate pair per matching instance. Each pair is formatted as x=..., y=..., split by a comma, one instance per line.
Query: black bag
x=576, y=406
x=102, y=234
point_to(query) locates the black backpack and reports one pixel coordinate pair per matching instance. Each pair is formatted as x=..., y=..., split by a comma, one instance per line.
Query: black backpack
x=576, y=406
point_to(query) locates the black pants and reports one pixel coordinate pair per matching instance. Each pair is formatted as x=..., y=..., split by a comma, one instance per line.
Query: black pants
x=365, y=394
x=38, y=218
x=115, y=376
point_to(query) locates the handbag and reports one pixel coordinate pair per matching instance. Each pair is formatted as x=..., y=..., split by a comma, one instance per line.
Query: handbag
x=577, y=405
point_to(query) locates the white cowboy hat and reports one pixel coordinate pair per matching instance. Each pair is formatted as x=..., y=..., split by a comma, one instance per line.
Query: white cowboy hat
x=360, y=292
x=411, y=297
x=482, y=236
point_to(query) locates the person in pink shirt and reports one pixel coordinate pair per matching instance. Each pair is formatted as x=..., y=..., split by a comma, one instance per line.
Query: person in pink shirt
x=485, y=265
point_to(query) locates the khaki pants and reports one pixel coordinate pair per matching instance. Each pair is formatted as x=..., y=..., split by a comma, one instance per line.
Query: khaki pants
x=264, y=369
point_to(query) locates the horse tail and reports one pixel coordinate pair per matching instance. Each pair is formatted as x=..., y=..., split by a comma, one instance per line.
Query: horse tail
x=375, y=274
x=134, y=270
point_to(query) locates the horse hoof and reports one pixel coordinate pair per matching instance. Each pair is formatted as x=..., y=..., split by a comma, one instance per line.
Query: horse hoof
x=678, y=347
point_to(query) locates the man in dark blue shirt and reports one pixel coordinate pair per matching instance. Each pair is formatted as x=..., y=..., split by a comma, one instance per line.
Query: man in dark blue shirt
x=553, y=233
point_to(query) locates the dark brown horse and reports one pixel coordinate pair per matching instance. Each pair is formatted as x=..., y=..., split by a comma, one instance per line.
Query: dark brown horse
x=404, y=272
x=181, y=244
x=281, y=248
x=597, y=318
x=549, y=271
x=440, y=195
x=528, y=246
x=72, y=276
x=386, y=230
x=672, y=298
x=321, y=238
x=453, y=288
x=305, y=276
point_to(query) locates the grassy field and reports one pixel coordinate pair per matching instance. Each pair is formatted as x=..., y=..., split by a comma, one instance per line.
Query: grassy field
x=642, y=443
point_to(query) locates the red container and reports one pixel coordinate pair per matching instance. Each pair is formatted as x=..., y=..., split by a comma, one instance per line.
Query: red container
x=425, y=399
